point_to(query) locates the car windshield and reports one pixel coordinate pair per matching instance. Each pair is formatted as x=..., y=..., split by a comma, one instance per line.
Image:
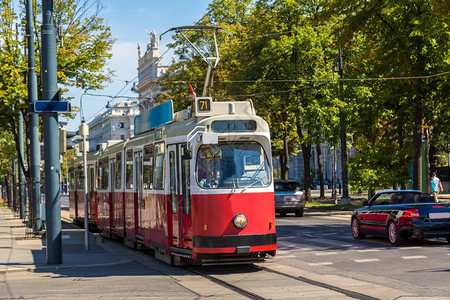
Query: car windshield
x=287, y=186
x=232, y=165
x=402, y=198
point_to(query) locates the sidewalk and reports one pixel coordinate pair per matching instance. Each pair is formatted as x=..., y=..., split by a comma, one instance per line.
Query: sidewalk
x=21, y=251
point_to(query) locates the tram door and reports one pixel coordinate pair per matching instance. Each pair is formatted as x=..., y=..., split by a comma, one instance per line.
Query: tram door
x=112, y=187
x=91, y=193
x=179, y=198
x=139, y=199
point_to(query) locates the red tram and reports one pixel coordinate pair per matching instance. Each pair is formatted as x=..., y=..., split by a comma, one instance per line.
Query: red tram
x=193, y=186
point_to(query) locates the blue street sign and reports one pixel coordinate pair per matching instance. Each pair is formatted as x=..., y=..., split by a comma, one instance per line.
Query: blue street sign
x=155, y=117
x=43, y=106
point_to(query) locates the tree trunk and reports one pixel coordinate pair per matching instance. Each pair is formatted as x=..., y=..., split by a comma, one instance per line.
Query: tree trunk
x=286, y=155
x=282, y=166
x=306, y=150
x=417, y=139
x=320, y=164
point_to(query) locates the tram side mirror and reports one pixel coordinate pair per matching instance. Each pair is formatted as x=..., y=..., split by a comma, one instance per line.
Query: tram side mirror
x=186, y=153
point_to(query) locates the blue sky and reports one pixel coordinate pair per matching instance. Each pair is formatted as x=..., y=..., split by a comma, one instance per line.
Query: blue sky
x=129, y=21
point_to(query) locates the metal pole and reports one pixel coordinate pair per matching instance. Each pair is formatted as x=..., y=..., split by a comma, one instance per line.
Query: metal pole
x=83, y=131
x=14, y=186
x=21, y=173
x=35, y=149
x=51, y=140
x=345, y=198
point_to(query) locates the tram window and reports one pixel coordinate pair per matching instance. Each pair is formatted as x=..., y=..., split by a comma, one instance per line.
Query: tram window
x=91, y=181
x=233, y=125
x=233, y=165
x=103, y=174
x=129, y=170
x=118, y=184
x=105, y=177
x=79, y=178
x=186, y=186
x=148, y=168
x=71, y=179
x=173, y=181
x=159, y=166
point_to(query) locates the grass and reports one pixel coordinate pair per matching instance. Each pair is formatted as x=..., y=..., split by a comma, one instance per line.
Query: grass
x=332, y=206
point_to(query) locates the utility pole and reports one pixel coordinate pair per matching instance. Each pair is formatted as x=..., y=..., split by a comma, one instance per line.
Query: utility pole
x=285, y=175
x=84, y=132
x=345, y=198
x=35, y=149
x=51, y=139
x=21, y=163
x=14, y=186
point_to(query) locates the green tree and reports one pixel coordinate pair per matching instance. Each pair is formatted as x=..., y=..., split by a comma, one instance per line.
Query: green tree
x=288, y=53
x=279, y=55
x=401, y=39
x=84, y=45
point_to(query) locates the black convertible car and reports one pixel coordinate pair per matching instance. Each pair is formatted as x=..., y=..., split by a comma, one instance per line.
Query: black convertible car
x=402, y=214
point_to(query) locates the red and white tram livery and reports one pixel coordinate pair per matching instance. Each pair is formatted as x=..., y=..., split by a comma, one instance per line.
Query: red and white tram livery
x=194, y=186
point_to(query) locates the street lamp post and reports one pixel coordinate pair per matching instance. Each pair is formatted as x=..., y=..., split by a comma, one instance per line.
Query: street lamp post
x=284, y=116
x=51, y=131
x=343, y=136
x=83, y=130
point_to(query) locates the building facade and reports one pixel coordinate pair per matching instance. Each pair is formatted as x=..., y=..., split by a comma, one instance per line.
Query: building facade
x=116, y=123
x=150, y=68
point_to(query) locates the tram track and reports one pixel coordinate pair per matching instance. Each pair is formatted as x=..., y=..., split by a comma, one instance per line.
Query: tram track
x=226, y=284
x=346, y=292
x=271, y=284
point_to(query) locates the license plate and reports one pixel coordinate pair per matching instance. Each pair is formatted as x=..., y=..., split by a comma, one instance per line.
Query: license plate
x=439, y=215
x=289, y=198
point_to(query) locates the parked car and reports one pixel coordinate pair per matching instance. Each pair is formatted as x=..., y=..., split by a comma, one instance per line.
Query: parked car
x=402, y=214
x=289, y=197
x=328, y=184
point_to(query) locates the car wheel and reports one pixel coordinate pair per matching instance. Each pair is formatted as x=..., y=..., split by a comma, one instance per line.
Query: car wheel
x=299, y=213
x=394, y=235
x=356, y=231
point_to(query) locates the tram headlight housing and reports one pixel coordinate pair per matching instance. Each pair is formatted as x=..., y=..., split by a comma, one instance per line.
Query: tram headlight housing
x=240, y=221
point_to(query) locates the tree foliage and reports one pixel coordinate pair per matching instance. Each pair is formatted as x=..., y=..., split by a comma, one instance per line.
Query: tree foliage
x=407, y=43
x=84, y=45
x=396, y=54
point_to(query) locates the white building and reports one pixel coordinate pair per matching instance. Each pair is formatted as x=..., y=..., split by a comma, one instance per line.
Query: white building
x=150, y=68
x=116, y=123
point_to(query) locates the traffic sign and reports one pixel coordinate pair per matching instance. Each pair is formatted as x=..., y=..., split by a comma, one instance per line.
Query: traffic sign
x=43, y=106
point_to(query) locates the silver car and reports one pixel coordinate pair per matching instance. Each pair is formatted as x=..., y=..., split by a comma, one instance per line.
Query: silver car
x=289, y=197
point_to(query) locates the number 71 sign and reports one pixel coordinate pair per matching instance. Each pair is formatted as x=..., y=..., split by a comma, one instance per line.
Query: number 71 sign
x=203, y=104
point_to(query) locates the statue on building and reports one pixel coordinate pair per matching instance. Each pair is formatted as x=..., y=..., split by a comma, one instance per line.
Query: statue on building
x=153, y=40
x=139, y=50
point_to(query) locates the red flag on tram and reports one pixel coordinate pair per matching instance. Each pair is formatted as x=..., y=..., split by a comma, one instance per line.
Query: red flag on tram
x=192, y=90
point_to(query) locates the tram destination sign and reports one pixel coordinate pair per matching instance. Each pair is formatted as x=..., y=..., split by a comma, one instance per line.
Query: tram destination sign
x=44, y=106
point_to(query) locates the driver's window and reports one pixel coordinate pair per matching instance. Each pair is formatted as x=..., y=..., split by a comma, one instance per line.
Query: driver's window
x=384, y=199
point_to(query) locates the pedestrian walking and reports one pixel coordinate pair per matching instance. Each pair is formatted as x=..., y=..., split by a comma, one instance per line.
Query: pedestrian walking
x=436, y=186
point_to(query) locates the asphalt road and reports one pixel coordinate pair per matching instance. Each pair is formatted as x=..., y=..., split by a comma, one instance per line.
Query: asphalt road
x=324, y=244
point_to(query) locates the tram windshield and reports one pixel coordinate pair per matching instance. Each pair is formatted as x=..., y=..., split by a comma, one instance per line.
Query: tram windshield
x=232, y=165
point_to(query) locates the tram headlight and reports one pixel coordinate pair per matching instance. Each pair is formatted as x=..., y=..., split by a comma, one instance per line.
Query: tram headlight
x=240, y=221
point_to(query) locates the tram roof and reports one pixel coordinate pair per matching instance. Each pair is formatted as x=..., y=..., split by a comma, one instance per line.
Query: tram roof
x=185, y=123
